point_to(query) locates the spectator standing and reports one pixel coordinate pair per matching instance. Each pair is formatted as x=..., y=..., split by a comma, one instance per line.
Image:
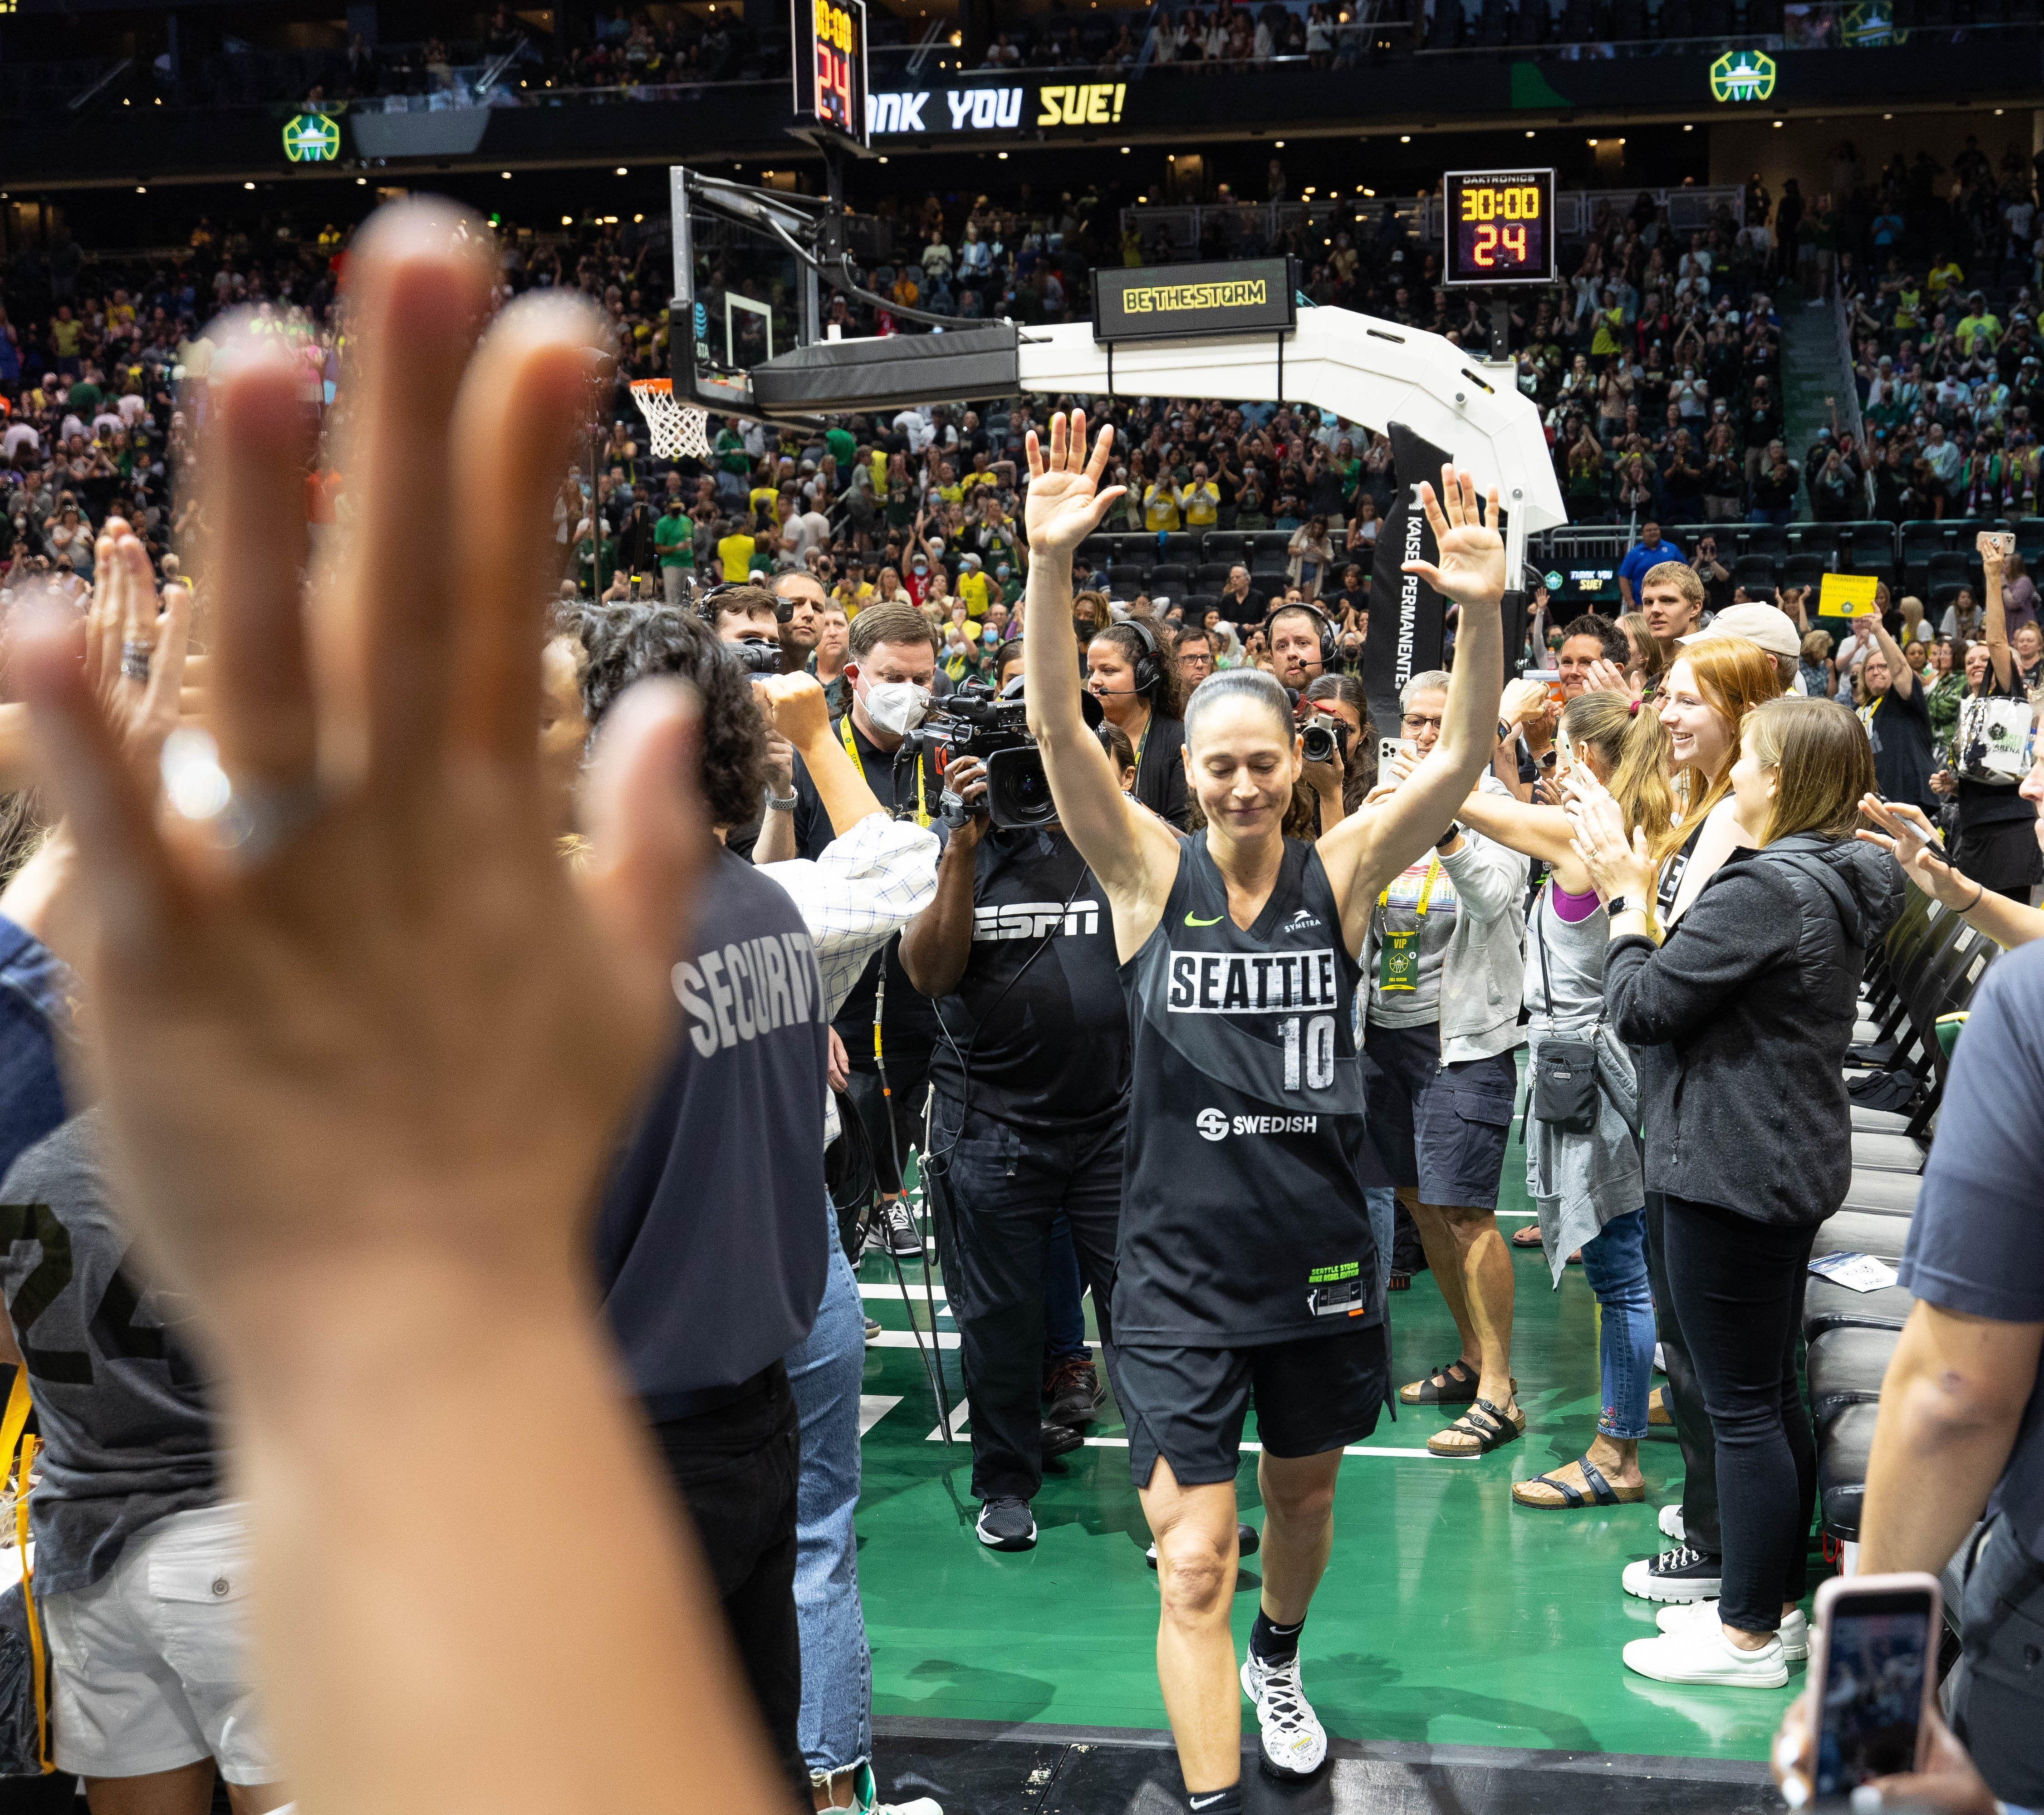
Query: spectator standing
x=1649, y=552
x=1748, y=1135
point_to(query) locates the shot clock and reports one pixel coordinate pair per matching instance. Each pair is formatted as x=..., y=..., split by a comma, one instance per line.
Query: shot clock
x=830, y=68
x=1499, y=226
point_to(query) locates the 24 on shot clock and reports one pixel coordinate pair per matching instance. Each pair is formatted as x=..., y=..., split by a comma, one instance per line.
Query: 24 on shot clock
x=1499, y=226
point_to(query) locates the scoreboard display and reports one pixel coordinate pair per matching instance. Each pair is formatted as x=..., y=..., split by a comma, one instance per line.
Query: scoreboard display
x=830, y=66
x=1499, y=226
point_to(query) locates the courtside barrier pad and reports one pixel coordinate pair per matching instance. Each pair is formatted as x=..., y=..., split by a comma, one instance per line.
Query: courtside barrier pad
x=1828, y=1305
x=1845, y=1439
x=1887, y=1153
x=1847, y=1366
x=1882, y=1193
x=1854, y=1231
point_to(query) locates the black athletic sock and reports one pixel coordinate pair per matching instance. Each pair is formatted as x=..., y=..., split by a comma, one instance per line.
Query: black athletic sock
x=1275, y=1644
x=1226, y=1802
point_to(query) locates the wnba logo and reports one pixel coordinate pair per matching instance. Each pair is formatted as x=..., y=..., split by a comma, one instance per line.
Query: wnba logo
x=1211, y=1124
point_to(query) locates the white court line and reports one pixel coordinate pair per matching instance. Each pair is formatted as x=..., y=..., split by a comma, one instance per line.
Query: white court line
x=906, y=1338
x=959, y=1425
x=874, y=1406
x=868, y=1289
x=1250, y=1444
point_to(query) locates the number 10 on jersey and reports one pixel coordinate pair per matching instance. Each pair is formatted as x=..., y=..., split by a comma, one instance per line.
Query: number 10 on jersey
x=1310, y=1052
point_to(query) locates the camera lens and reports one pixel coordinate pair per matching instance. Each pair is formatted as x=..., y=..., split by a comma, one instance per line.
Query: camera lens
x=1317, y=744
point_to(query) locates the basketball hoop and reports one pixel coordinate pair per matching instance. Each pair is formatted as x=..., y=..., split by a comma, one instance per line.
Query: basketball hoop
x=679, y=432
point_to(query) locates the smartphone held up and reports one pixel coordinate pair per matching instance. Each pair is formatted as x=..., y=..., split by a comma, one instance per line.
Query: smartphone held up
x=1873, y=1660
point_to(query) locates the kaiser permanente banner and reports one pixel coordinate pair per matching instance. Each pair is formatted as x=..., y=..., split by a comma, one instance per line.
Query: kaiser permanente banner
x=1027, y=107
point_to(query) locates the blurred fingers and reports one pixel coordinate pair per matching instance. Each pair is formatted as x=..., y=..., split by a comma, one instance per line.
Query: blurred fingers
x=421, y=276
x=648, y=827
x=252, y=455
x=519, y=410
x=109, y=811
x=163, y=700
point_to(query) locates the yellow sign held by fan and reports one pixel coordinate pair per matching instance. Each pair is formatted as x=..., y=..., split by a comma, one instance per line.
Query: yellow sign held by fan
x=1847, y=595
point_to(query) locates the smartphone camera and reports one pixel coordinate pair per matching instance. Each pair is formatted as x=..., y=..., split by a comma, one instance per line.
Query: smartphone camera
x=1877, y=1649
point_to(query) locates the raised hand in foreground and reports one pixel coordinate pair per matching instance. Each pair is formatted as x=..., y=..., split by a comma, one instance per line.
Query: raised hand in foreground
x=364, y=1050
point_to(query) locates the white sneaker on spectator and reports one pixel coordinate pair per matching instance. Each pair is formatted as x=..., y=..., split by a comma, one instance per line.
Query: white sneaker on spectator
x=1701, y=1653
x=1795, y=1633
x=1671, y=1522
x=1678, y=1574
x=865, y=1799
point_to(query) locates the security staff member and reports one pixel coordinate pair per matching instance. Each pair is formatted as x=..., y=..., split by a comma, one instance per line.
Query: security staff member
x=891, y=673
x=1030, y=1106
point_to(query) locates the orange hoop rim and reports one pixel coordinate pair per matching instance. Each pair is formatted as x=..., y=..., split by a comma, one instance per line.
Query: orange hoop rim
x=654, y=384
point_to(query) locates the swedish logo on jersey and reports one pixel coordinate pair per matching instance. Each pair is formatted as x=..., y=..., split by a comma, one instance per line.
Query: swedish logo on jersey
x=1743, y=76
x=312, y=138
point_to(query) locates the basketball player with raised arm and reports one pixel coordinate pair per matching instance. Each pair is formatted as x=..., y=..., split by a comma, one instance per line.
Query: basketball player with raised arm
x=1246, y=1261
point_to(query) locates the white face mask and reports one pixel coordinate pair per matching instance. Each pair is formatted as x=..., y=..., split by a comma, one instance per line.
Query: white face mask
x=897, y=707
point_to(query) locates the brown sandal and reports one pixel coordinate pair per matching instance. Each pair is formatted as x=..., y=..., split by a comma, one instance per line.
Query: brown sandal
x=1488, y=1427
x=1570, y=1498
x=1526, y=1235
x=1658, y=1417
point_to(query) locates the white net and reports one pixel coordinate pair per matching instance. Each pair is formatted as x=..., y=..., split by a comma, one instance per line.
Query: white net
x=679, y=432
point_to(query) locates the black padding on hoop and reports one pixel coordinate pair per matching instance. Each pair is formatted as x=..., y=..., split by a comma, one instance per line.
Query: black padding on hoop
x=893, y=372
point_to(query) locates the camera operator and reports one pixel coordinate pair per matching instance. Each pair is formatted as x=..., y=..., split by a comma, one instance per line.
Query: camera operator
x=747, y=618
x=1338, y=746
x=800, y=600
x=891, y=670
x=1302, y=640
x=1030, y=1087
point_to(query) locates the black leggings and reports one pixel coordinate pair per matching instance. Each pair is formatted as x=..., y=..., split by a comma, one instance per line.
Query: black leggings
x=1738, y=1287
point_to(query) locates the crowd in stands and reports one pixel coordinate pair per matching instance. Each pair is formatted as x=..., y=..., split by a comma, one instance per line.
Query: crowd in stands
x=1712, y=902
x=519, y=58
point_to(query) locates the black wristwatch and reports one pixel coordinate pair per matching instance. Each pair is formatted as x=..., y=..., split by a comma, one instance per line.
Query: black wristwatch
x=1455, y=831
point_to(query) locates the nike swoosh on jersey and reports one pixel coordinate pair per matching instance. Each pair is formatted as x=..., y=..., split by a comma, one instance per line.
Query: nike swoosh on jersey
x=1205, y=1802
x=1194, y=920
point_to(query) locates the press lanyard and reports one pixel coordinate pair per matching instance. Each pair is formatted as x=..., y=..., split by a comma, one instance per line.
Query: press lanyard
x=852, y=750
x=1397, y=959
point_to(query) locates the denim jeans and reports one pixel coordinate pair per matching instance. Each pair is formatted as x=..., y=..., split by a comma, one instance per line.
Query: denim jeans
x=1615, y=1264
x=835, y=1725
x=1064, y=1310
x=1382, y=1201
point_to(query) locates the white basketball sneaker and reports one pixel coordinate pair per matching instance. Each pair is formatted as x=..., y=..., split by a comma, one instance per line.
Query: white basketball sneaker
x=1295, y=1743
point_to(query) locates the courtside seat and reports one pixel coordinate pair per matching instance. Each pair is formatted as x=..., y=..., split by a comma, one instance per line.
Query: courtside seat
x=1828, y=1305
x=1845, y=1440
x=1882, y=1193
x=1847, y=1365
x=1854, y=1231
x=1887, y=1153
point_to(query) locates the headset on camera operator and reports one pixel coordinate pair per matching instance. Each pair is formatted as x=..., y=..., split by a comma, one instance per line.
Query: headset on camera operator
x=1029, y=1087
x=886, y=1028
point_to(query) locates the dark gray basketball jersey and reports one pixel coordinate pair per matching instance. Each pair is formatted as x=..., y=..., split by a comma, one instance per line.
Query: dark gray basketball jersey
x=1242, y=1218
